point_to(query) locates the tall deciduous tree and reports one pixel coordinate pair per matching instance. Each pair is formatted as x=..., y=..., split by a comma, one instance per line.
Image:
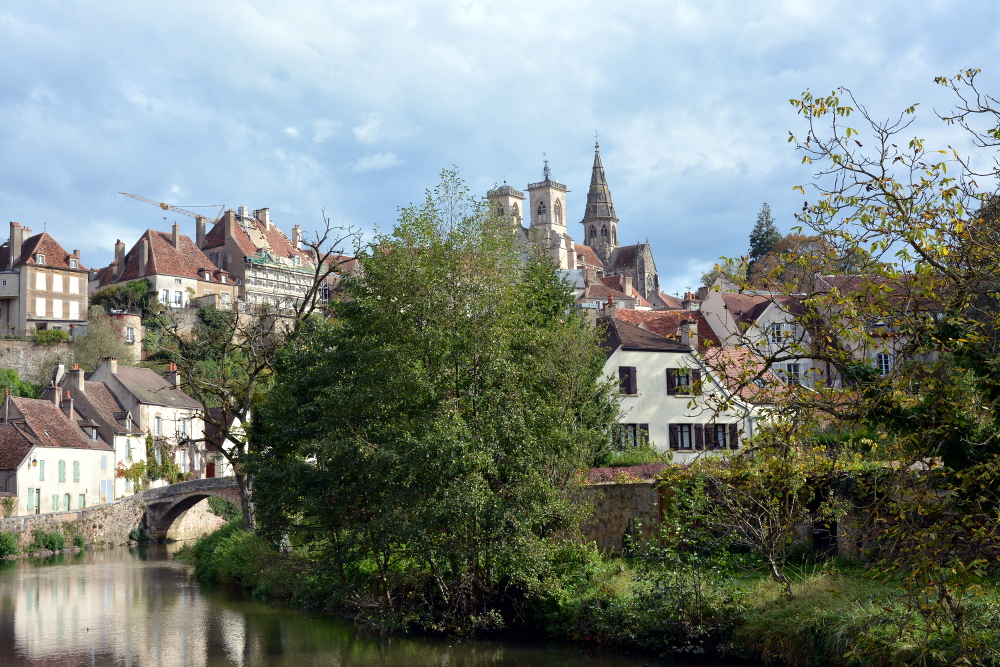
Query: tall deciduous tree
x=429, y=439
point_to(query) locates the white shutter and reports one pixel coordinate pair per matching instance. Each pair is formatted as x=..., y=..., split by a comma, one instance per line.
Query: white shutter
x=57, y=308
x=40, y=280
x=74, y=285
x=57, y=283
x=74, y=309
x=39, y=306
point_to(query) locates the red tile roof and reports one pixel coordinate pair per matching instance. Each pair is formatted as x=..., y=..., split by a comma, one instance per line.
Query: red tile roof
x=14, y=446
x=618, y=334
x=186, y=261
x=667, y=323
x=42, y=424
x=671, y=301
x=590, y=257
x=252, y=236
x=595, y=291
x=55, y=255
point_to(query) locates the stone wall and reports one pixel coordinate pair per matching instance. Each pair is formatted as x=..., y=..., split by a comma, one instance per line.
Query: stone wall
x=194, y=522
x=101, y=525
x=621, y=509
x=33, y=362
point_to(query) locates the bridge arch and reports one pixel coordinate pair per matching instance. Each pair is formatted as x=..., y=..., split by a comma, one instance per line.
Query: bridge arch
x=168, y=505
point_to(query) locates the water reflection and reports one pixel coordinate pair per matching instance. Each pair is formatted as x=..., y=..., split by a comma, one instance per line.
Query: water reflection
x=140, y=607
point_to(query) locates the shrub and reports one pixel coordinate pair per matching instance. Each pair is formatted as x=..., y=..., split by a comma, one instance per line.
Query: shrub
x=138, y=535
x=8, y=506
x=224, y=508
x=51, y=541
x=8, y=544
x=51, y=336
x=78, y=541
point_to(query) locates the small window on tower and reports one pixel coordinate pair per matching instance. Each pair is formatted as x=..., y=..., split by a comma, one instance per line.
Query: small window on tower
x=604, y=234
x=557, y=210
x=516, y=211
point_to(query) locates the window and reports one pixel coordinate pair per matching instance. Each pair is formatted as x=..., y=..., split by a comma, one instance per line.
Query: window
x=614, y=236
x=40, y=280
x=39, y=258
x=197, y=460
x=177, y=281
x=62, y=471
x=104, y=461
x=632, y=435
x=223, y=279
x=604, y=234
x=128, y=484
x=57, y=308
x=225, y=299
x=682, y=380
x=93, y=434
x=74, y=263
x=542, y=211
x=790, y=373
x=780, y=332
x=57, y=282
x=40, y=306
x=516, y=210
x=165, y=297
x=31, y=500
x=129, y=334
x=178, y=298
x=184, y=462
x=557, y=212
x=184, y=428
x=83, y=501
x=55, y=503
x=41, y=471
x=74, y=285
x=128, y=448
x=593, y=234
x=883, y=362
x=159, y=425
x=159, y=455
x=76, y=471
x=681, y=436
x=74, y=310
x=627, y=380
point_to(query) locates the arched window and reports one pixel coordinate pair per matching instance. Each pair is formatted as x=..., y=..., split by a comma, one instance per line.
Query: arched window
x=604, y=234
x=614, y=236
x=516, y=211
x=593, y=234
x=541, y=211
x=557, y=212
x=500, y=209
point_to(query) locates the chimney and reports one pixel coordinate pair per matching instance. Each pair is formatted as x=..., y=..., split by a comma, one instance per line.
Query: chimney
x=76, y=253
x=112, y=364
x=25, y=234
x=627, y=280
x=119, y=263
x=244, y=212
x=199, y=230
x=297, y=236
x=143, y=255
x=15, y=244
x=58, y=374
x=53, y=392
x=177, y=236
x=689, y=334
x=229, y=224
x=609, y=307
x=76, y=379
x=67, y=406
x=172, y=376
x=691, y=302
x=264, y=215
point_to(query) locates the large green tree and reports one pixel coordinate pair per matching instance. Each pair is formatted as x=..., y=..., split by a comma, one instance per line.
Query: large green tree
x=429, y=440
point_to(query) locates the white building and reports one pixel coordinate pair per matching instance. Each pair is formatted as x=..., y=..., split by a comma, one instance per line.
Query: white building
x=669, y=396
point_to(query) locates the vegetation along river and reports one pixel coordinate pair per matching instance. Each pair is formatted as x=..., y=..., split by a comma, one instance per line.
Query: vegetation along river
x=141, y=607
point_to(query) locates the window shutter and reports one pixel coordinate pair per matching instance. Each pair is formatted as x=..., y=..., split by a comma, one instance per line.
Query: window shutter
x=671, y=381
x=734, y=434
x=699, y=436
x=643, y=435
x=623, y=379
x=632, y=380
x=674, y=438
x=695, y=380
x=31, y=500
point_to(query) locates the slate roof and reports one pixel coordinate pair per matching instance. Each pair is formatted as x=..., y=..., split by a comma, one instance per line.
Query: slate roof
x=252, y=236
x=186, y=261
x=599, y=206
x=152, y=389
x=55, y=255
x=747, y=308
x=618, y=334
x=107, y=406
x=623, y=257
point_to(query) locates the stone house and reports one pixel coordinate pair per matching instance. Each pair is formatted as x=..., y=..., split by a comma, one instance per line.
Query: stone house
x=41, y=285
x=670, y=397
x=51, y=456
x=157, y=407
x=178, y=270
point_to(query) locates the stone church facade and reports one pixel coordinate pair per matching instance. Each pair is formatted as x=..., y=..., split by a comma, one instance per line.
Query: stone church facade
x=599, y=257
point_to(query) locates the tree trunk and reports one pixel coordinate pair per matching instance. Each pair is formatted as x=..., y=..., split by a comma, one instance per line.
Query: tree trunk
x=243, y=481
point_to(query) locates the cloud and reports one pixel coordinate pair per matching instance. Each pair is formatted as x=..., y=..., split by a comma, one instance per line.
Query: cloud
x=324, y=128
x=376, y=162
x=292, y=132
x=369, y=131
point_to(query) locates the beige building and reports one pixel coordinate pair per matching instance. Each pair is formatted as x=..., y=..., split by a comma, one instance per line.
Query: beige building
x=41, y=285
x=178, y=270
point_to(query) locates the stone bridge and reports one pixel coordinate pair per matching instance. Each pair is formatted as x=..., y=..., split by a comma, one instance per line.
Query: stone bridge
x=168, y=508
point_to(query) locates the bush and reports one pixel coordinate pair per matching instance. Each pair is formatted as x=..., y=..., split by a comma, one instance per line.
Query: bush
x=51, y=541
x=51, y=336
x=78, y=541
x=138, y=535
x=232, y=556
x=224, y=508
x=8, y=544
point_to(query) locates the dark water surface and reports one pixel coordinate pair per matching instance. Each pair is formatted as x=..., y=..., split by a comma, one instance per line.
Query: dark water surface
x=141, y=607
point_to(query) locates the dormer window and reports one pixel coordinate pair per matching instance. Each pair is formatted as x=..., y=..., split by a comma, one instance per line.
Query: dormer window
x=222, y=278
x=93, y=434
x=74, y=263
x=39, y=258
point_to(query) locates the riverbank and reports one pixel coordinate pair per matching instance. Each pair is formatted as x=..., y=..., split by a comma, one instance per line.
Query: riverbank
x=723, y=606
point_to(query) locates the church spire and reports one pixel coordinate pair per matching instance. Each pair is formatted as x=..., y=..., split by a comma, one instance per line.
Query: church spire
x=599, y=222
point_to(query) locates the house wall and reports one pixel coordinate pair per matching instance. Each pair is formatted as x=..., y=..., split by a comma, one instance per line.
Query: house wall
x=91, y=474
x=63, y=293
x=654, y=406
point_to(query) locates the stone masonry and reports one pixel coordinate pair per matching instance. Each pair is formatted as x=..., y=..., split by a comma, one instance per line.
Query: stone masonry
x=621, y=509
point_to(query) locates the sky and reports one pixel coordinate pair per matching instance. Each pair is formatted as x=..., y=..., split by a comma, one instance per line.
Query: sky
x=355, y=107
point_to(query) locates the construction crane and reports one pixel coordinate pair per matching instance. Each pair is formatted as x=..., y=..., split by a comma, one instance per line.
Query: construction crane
x=178, y=209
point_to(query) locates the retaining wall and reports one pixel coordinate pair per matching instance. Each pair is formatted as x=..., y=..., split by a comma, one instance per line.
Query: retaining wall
x=101, y=525
x=619, y=510
x=32, y=361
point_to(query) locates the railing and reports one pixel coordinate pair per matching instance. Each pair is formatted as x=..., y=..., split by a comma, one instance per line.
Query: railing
x=548, y=184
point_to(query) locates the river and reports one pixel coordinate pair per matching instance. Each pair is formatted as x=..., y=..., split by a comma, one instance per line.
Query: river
x=141, y=607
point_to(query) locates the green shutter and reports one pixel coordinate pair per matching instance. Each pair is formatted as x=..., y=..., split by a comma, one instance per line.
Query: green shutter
x=55, y=503
x=41, y=471
x=62, y=471
x=31, y=500
x=76, y=471
x=83, y=501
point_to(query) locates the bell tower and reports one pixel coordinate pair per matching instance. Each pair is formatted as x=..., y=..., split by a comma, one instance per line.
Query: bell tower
x=547, y=213
x=600, y=226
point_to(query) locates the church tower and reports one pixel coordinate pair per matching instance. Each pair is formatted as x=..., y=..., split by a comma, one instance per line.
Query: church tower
x=600, y=226
x=547, y=215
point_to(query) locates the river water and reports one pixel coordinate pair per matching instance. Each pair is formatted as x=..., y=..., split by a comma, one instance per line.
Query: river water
x=141, y=607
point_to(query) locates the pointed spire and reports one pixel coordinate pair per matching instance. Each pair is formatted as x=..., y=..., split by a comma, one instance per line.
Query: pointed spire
x=597, y=177
x=599, y=222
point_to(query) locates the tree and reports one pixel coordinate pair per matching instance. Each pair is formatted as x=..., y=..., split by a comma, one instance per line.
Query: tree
x=227, y=362
x=427, y=441
x=136, y=296
x=764, y=236
x=102, y=340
